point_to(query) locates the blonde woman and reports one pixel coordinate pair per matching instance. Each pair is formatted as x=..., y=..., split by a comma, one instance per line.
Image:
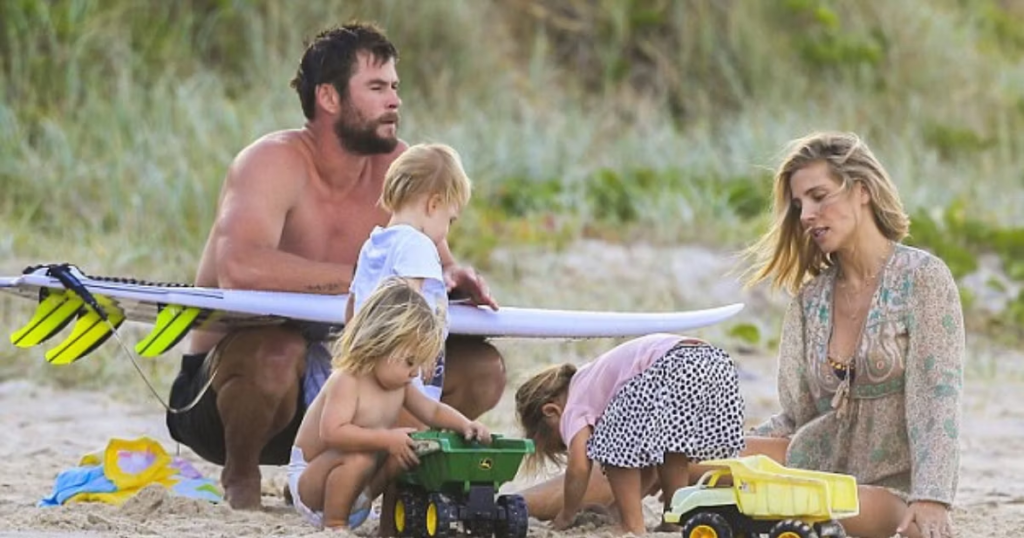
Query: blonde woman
x=871, y=354
x=348, y=444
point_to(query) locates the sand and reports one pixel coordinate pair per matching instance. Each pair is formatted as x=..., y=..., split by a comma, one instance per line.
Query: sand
x=46, y=429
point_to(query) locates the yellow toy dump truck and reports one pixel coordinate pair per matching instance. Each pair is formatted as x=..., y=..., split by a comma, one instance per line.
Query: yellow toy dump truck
x=754, y=496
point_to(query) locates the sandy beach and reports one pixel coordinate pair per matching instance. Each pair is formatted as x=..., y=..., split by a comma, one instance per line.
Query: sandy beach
x=46, y=429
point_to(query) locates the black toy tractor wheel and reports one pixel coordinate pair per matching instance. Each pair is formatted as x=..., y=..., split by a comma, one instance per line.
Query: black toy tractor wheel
x=792, y=528
x=516, y=520
x=479, y=527
x=707, y=525
x=409, y=513
x=440, y=514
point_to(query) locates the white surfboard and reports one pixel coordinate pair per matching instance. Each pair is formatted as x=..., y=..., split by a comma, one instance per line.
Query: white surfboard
x=176, y=309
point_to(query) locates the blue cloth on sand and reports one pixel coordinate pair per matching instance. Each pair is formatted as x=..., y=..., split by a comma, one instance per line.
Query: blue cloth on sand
x=71, y=482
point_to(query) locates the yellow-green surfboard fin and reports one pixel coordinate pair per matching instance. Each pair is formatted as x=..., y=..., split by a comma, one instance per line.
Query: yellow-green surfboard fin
x=212, y=317
x=89, y=333
x=172, y=324
x=52, y=314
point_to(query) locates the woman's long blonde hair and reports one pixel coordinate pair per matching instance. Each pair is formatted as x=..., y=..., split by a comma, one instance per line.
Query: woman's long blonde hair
x=394, y=320
x=785, y=254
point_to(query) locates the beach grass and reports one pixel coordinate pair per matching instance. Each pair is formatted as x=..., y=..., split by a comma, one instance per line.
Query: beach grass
x=645, y=121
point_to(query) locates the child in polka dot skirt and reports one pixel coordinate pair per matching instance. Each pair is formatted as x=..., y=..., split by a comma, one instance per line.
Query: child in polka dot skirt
x=643, y=410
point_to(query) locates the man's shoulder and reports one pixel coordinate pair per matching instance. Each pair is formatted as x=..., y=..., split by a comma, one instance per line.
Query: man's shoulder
x=288, y=145
x=278, y=154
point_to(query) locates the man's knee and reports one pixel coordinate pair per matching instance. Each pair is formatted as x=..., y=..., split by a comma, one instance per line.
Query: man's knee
x=271, y=360
x=475, y=375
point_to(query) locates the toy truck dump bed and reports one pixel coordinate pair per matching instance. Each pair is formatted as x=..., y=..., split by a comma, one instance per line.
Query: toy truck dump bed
x=453, y=489
x=755, y=494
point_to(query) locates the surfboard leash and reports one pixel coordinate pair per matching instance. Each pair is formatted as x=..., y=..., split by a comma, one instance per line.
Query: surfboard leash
x=62, y=272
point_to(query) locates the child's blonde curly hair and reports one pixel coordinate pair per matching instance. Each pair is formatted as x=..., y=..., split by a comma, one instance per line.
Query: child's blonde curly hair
x=394, y=321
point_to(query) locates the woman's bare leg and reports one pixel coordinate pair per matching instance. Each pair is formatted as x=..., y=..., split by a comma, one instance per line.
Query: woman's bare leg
x=880, y=513
x=544, y=500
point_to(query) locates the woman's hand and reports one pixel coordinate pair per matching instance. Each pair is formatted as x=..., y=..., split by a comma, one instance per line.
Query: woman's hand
x=931, y=518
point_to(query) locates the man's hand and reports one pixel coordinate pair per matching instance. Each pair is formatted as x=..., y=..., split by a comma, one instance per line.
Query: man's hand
x=401, y=447
x=931, y=518
x=469, y=283
x=476, y=430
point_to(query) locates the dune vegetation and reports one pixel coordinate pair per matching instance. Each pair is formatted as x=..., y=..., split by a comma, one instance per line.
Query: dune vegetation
x=624, y=120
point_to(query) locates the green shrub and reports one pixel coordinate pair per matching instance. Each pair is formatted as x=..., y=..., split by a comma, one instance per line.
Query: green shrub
x=953, y=142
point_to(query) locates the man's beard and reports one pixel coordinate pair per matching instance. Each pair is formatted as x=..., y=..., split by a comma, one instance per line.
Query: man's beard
x=359, y=135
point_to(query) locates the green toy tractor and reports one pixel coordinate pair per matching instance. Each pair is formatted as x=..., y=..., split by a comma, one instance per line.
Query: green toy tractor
x=454, y=490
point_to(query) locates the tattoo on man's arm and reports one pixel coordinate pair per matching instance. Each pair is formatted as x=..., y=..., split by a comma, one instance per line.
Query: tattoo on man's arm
x=325, y=287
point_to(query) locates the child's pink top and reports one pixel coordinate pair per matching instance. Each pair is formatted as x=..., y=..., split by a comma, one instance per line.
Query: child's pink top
x=596, y=383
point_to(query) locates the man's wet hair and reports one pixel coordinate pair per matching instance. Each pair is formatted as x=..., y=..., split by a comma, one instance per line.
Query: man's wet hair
x=332, y=57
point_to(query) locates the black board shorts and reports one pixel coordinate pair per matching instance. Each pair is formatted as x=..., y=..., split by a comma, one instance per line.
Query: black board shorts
x=201, y=429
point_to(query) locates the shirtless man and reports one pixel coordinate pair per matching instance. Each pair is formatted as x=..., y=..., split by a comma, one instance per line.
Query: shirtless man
x=294, y=210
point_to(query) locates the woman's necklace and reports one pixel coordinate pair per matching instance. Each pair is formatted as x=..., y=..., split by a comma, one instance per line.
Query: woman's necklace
x=857, y=300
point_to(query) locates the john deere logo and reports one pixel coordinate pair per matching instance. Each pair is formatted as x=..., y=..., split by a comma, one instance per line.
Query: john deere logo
x=486, y=464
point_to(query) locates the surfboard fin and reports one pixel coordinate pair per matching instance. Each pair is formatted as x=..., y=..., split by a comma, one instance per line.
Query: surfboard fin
x=171, y=325
x=90, y=331
x=51, y=316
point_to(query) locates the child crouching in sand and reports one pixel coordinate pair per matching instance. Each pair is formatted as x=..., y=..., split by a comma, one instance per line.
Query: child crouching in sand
x=347, y=446
x=650, y=405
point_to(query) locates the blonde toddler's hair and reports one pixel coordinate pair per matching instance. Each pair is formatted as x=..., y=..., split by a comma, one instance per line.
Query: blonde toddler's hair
x=426, y=169
x=395, y=320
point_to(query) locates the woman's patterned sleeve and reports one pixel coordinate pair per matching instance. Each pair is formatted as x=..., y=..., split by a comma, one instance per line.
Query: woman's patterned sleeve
x=934, y=383
x=794, y=394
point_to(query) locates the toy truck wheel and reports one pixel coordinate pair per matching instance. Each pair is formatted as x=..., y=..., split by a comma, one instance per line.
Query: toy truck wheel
x=830, y=529
x=479, y=527
x=707, y=525
x=409, y=513
x=792, y=528
x=440, y=515
x=516, y=520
